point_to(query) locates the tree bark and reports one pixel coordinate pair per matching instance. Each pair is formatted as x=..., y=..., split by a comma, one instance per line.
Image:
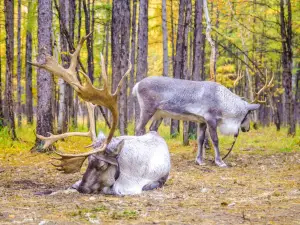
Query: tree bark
x=132, y=60
x=297, y=94
x=142, y=49
x=178, y=67
x=72, y=16
x=64, y=88
x=165, y=39
x=185, y=63
x=198, y=61
x=29, y=103
x=89, y=42
x=19, y=66
x=125, y=38
x=198, y=52
x=287, y=62
x=9, y=105
x=212, y=43
x=44, y=78
x=1, y=102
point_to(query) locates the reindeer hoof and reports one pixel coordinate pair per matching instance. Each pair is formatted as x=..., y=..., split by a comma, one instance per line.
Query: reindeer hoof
x=220, y=163
x=200, y=162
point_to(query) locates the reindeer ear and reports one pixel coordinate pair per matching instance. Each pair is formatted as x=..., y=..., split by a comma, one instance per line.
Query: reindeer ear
x=114, y=151
x=252, y=107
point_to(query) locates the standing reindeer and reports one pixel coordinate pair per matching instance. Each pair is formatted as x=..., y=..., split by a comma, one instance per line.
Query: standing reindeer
x=122, y=165
x=208, y=103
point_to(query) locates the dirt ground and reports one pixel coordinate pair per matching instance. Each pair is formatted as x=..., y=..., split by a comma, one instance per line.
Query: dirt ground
x=254, y=189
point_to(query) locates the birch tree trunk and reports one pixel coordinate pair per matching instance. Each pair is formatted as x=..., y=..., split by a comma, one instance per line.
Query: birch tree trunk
x=9, y=105
x=142, y=49
x=44, y=78
x=212, y=63
x=62, y=123
x=72, y=16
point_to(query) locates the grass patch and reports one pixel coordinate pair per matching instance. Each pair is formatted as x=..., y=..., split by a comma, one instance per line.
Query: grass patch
x=126, y=214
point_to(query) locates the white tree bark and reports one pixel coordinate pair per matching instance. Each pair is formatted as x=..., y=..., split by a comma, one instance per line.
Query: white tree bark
x=211, y=42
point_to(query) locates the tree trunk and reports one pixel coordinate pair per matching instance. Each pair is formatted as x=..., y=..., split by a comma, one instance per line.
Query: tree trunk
x=89, y=41
x=198, y=61
x=178, y=67
x=72, y=16
x=142, y=51
x=165, y=39
x=212, y=43
x=1, y=103
x=30, y=23
x=297, y=94
x=172, y=38
x=132, y=60
x=19, y=66
x=287, y=63
x=62, y=123
x=9, y=105
x=44, y=78
x=198, y=52
x=185, y=62
x=125, y=38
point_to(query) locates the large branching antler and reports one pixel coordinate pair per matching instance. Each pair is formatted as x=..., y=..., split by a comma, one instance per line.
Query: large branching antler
x=89, y=93
x=265, y=87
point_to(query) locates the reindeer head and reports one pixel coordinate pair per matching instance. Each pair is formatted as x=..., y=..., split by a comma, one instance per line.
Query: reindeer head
x=245, y=124
x=103, y=168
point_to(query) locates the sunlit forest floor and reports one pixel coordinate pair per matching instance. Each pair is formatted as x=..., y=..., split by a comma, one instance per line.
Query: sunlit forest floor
x=260, y=186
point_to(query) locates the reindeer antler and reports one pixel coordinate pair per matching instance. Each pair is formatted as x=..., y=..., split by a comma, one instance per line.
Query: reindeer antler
x=89, y=93
x=266, y=86
x=239, y=77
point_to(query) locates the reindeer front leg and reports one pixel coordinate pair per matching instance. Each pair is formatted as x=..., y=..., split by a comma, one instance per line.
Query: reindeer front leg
x=212, y=127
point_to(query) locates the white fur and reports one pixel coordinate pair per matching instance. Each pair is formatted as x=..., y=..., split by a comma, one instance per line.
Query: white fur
x=143, y=160
x=229, y=127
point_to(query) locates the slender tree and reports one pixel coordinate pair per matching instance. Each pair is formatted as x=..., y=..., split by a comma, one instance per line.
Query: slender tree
x=64, y=88
x=120, y=54
x=178, y=65
x=287, y=62
x=142, y=48
x=28, y=66
x=165, y=39
x=19, y=66
x=132, y=59
x=44, y=78
x=1, y=103
x=89, y=27
x=9, y=105
x=186, y=75
x=213, y=54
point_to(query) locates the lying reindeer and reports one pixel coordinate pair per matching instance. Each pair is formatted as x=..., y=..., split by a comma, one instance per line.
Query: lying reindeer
x=130, y=165
x=208, y=103
x=122, y=165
